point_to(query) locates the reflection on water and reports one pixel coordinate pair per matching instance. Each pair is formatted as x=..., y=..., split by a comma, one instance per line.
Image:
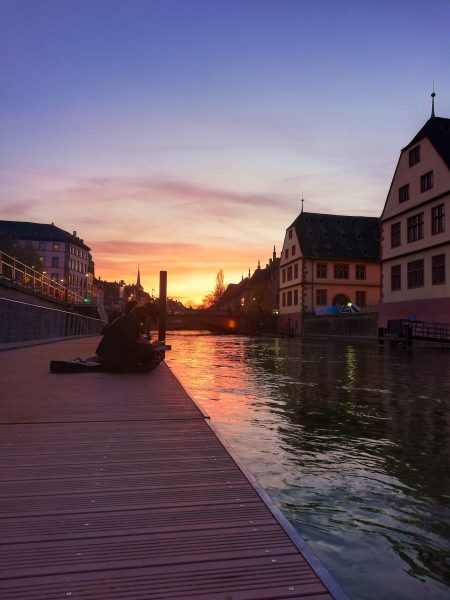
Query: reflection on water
x=351, y=441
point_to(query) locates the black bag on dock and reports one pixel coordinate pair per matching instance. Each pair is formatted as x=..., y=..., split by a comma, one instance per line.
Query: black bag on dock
x=78, y=365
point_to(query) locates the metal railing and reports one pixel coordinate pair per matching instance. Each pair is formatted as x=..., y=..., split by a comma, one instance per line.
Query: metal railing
x=428, y=330
x=23, y=276
x=23, y=322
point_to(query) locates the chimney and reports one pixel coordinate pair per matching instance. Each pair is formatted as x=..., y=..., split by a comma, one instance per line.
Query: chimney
x=74, y=234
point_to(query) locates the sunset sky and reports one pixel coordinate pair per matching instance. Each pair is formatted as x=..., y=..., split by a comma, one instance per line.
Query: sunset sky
x=181, y=134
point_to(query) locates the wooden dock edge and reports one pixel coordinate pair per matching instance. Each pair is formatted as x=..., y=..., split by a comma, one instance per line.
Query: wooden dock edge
x=311, y=558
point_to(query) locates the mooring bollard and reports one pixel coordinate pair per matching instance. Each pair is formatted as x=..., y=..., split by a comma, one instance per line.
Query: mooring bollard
x=162, y=306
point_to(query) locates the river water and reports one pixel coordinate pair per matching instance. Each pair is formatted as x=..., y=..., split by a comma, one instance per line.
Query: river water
x=350, y=440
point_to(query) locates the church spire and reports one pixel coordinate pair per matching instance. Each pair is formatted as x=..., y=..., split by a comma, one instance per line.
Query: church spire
x=274, y=255
x=138, y=280
x=433, y=94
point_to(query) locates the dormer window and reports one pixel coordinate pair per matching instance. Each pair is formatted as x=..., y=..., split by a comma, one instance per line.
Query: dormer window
x=414, y=156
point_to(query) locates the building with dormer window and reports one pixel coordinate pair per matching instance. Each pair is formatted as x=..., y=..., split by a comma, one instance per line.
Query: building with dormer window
x=415, y=230
x=326, y=261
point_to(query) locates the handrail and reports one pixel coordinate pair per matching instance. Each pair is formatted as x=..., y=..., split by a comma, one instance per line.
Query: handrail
x=22, y=275
x=429, y=330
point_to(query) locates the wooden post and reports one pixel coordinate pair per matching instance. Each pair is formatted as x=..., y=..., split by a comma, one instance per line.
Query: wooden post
x=162, y=306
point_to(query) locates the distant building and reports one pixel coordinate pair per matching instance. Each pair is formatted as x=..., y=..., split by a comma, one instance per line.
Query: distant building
x=260, y=294
x=415, y=226
x=255, y=295
x=327, y=260
x=62, y=256
x=233, y=297
x=117, y=293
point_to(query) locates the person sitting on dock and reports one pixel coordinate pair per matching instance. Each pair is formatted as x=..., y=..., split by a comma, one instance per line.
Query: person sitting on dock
x=121, y=348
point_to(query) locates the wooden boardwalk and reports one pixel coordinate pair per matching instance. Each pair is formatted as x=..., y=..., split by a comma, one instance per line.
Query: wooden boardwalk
x=116, y=487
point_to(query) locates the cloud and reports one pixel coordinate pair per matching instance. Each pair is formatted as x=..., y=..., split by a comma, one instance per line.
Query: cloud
x=15, y=211
x=187, y=228
x=106, y=189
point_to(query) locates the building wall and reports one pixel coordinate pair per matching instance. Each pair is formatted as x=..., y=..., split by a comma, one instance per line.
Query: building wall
x=48, y=251
x=429, y=161
x=74, y=263
x=429, y=301
x=291, y=262
x=348, y=287
x=435, y=311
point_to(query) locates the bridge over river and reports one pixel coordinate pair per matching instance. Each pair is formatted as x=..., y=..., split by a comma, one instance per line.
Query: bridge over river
x=210, y=320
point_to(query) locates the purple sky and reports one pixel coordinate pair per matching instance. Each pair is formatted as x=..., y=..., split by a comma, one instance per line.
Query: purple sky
x=180, y=135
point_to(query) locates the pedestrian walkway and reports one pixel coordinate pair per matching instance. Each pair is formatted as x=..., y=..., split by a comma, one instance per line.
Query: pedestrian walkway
x=115, y=486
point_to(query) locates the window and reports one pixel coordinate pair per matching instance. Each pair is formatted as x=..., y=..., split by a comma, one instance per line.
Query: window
x=395, y=235
x=41, y=260
x=415, y=228
x=321, y=297
x=54, y=276
x=341, y=271
x=438, y=269
x=415, y=274
x=321, y=270
x=361, y=298
x=283, y=275
x=295, y=297
x=396, y=278
x=290, y=234
x=403, y=193
x=283, y=299
x=289, y=298
x=414, y=156
x=41, y=245
x=55, y=247
x=289, y=273
x=28, y=245
x=293, y=250
x=296, y=271
x=360, y=272
x=437, y=219
x=55, y=261
x=286, y=253
x=426, y=181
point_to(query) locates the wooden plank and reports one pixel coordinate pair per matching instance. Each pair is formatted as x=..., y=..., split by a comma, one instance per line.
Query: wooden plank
x=114, y=486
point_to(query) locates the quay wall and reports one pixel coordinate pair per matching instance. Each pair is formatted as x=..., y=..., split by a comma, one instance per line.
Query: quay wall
x=11, y=293
x=357, y=325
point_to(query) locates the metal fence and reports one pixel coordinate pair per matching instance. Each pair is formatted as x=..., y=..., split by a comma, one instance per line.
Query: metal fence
x=23, y=322
x=23, y=276
x=426, y=330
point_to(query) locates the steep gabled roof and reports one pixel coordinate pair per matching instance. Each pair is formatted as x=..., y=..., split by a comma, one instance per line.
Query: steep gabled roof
x=234, y=289
x=338, y=237
x=25, y=230
x=437, y=130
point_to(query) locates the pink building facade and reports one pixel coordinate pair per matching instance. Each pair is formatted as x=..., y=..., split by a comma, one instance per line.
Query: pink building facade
x=327, y=260
x=415, y=230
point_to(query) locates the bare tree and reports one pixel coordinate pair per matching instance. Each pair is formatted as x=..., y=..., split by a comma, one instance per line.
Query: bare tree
x=211, y=299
